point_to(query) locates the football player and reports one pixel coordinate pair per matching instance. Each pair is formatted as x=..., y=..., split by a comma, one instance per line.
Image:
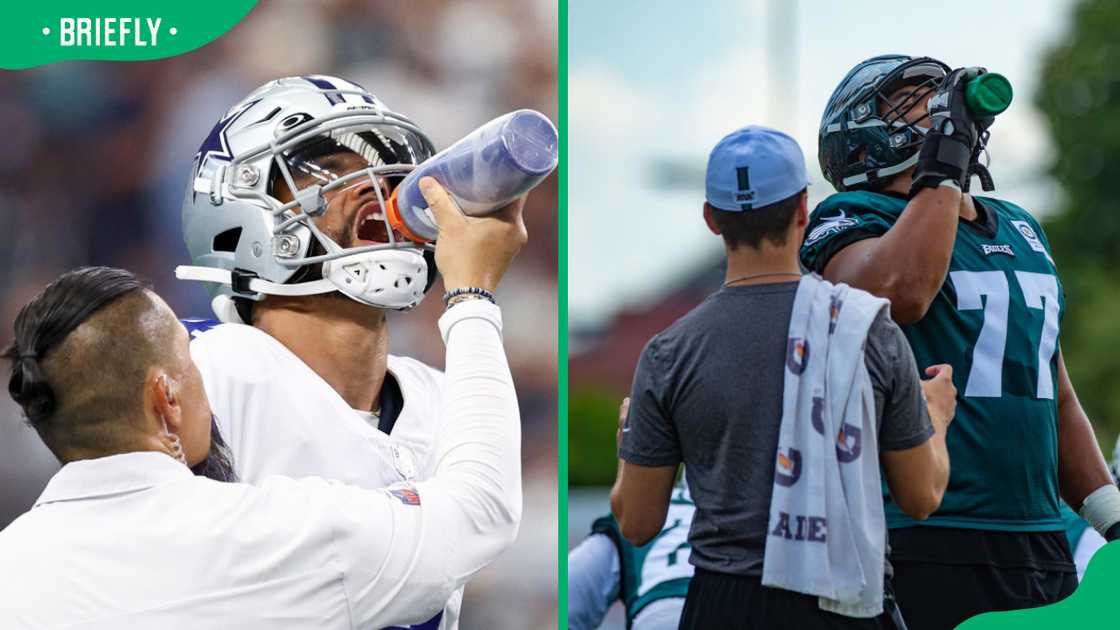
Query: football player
x=972, y=282
x=286, y=219
x=651, y=581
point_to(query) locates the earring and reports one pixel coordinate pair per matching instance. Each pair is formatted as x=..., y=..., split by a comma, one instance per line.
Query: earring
x=176, y=444
x=177, y=448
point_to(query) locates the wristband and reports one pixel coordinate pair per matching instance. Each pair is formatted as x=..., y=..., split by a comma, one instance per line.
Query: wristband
x=472, y=309
x=1102, y=509
x=465, y=297
x=482, y=294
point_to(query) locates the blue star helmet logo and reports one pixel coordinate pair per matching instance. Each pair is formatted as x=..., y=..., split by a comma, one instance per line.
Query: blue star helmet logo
x=215, y=148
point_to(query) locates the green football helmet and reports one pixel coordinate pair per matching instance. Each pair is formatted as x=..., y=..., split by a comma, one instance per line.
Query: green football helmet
x=861, y=144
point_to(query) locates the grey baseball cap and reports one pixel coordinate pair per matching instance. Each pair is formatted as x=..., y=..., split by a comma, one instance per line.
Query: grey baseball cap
x=754, y=167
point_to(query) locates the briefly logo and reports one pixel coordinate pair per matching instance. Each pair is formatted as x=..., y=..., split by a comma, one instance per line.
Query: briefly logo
x=1027, y=232
x=745, y=196
x=830, y=226
x=997, y=249
x=788, y=470
x=406, y=495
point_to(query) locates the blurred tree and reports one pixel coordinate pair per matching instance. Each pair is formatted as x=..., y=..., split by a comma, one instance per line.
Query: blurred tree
x=1079, y=93
x=592, y=431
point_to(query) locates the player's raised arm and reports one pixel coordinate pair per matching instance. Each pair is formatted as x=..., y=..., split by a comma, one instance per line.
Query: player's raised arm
x=907, y=263
x=449, y=527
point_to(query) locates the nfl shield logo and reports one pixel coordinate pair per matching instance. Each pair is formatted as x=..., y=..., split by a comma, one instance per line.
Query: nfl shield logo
x=406, y=495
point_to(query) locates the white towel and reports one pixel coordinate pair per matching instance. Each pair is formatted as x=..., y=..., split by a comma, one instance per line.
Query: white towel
x=827, y=531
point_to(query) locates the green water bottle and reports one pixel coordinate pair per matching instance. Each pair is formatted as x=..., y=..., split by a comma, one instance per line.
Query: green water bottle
x=988, y=94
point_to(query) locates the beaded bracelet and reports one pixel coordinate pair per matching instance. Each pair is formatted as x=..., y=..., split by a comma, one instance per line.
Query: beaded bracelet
x=455, y=296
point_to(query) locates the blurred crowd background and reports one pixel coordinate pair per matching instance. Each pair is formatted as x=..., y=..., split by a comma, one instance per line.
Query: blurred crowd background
x=644, y=115
x=96, y=158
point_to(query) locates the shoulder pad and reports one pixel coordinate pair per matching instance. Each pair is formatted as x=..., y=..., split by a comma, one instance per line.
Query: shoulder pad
x=842, y=219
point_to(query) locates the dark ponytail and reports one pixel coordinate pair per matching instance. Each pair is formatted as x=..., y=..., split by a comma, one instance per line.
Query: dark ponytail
x=29, y=388
x=46, y=321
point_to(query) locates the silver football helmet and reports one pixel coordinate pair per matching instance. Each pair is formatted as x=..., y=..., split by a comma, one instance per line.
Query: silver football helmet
x=255, y=215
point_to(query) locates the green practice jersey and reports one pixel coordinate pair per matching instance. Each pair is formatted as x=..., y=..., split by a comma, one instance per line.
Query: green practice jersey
x=660, y=568
x=996, y=321
x=1074, y=525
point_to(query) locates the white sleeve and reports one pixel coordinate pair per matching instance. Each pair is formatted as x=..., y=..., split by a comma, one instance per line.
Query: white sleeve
x=1088, y=545
x=403, y=559
x=661, y=614
x=593, y=578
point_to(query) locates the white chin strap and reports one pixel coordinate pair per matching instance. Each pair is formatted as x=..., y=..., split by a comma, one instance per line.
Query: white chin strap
x=389, y=279
x=256, y=285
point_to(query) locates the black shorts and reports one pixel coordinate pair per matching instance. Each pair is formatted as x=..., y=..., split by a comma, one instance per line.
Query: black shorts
x=736, y=602
x=943, y=576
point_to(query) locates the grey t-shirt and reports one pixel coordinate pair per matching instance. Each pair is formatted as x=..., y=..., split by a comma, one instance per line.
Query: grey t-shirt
x=708, y=393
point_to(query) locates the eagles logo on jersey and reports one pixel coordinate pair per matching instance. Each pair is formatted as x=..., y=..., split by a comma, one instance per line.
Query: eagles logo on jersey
x=831, y=225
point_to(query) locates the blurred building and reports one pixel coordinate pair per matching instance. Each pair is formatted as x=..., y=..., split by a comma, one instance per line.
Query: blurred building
x=605, y=358
x=96, y=162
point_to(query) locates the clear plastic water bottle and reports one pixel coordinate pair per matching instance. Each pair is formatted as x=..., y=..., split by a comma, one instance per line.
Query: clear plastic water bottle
x=492, y=166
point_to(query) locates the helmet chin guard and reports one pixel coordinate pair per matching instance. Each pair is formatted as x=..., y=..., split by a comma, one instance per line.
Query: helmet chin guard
x=393, y=279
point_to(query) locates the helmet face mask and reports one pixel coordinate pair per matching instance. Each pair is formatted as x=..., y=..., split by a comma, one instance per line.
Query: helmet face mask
x=295, y=184
x=866, y=137
x=313, y=176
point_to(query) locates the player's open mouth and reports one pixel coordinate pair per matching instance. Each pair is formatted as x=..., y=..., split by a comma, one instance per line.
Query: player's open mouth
x=370, y=227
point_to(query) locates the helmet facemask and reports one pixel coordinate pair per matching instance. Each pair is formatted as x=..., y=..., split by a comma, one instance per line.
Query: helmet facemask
x=865, y=138
x=924, y=76
x=325, y=176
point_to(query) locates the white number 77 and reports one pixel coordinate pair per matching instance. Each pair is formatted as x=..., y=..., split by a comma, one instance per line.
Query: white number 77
x=1040, y=291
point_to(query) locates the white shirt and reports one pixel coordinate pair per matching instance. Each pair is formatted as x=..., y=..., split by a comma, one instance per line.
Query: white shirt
x=137, y=541
x=280, y=417
x=1087, y=545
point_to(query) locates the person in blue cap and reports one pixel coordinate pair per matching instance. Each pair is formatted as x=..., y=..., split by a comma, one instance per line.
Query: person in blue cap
x=708, y=394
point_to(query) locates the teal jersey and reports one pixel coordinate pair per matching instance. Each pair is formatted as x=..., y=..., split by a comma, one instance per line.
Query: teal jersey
x=1074, y=525
x=660, y=568
x=996, y=321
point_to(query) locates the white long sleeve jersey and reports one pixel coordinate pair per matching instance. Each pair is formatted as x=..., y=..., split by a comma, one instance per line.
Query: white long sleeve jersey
x=136, y=541
x=280, y=417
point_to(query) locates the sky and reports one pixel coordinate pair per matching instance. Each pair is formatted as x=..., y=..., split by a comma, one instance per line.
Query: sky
x=654, y=84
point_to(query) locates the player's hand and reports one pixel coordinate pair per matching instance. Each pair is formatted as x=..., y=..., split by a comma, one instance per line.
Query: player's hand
x=623, y=413
x=954, y=132
x=940, y=394
x=474, y=251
